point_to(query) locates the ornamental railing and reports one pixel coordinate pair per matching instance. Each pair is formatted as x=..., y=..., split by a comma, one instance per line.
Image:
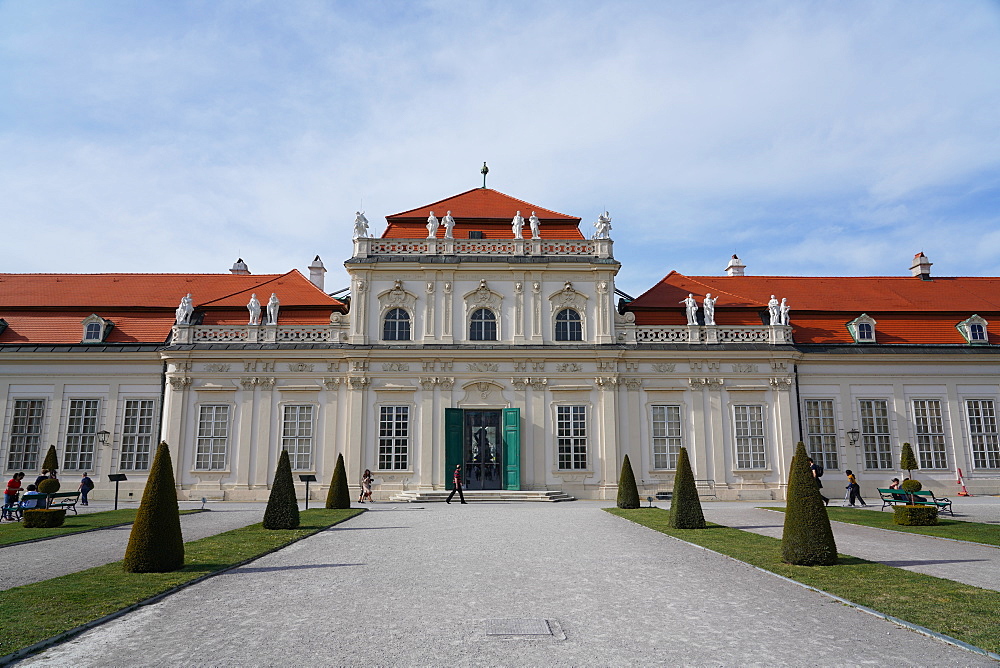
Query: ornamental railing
x=259, y=334
x=601, y=248
x=712, y=334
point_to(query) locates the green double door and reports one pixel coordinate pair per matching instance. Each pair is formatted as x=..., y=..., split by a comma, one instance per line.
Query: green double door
x=486, y=443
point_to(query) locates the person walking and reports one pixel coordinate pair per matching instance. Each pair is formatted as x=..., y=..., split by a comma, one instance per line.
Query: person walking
x=853, y=490
x=456, y=478
x=817, y=473
x=86, y=484
x=366, y=487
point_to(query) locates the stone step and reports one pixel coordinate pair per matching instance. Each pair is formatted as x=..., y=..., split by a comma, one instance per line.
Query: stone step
x=424, y=496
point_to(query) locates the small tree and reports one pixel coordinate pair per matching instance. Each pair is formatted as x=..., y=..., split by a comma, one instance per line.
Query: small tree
x=685, y=506
x=807, y=538
x=907, y=461
x=911, y=487
x=51, y=461
x=628, y=493
x=282, y=510
x=49, y=486
x=339, y=496
x=156, y=544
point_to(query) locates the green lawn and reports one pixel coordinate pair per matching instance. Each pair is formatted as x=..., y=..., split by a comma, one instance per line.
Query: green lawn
x=976, y=532
x=961, y=611
x=34, y=612
x=14, y=532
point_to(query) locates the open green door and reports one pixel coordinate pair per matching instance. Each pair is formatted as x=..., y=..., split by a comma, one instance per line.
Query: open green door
x=453, y=428
x=512, y=448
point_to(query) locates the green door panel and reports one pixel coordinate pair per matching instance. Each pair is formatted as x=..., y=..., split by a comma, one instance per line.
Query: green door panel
x=453, y=431
x=512, y=448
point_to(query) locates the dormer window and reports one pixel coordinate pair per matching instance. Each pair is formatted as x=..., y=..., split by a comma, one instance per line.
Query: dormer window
x=95, y=328
x=862, y=329
x=974, y=330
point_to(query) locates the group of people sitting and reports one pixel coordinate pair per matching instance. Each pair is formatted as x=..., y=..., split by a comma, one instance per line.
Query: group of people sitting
x=32, y=497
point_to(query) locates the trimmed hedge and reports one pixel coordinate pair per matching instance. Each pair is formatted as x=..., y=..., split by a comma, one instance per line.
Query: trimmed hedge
x=807, y=538
x=49, y=486
x=156, y=544
x=51, y=460
x=915, y=516
x=912, y=486
x=282, y=510
x=339, y=496
x=907, y=461
x=43, y=519
x=685, y=506
x=628, y=493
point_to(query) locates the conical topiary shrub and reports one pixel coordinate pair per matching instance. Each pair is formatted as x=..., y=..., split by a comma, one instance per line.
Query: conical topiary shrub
x=628, y=493
x=339, y=496
x=51, y=461
x=156, y=544
x=685, y=506
x=282, y=510
x=907, y=461
x=807, y=539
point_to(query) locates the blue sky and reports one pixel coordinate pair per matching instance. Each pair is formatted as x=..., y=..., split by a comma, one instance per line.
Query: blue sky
x=811, y=138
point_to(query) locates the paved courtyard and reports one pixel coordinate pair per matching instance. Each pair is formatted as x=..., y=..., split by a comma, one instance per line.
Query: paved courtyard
x=421, y=585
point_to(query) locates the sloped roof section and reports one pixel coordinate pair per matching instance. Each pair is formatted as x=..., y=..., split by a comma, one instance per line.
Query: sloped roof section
x=485, y=210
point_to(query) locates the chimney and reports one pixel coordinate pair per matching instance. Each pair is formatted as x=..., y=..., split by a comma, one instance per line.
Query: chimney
x=735, y=267
x=316, y=271
x=240, y=267
x=921, y=267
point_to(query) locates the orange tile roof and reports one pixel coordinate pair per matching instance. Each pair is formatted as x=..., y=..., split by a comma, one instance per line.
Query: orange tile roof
x=485, y=210
x=65, y=326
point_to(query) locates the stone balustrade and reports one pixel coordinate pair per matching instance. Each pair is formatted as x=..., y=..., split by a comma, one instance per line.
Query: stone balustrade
x=602, y=248
x=259, y=334
x=711, y=334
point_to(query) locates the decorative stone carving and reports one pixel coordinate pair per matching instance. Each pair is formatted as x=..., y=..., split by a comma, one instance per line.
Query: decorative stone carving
x=602, y=228
x=217, y=367
x=182, y=366
x=272, y=309
x=520, y=366
x=606, y=366
x=663, y=367
x=483, y=366
x=783, y=384
x=183, y=313
x=483, y=297
x=568, y=297
x=535, y=225
x=301, y=366
x=568, y=366
x=332, y=383
x=267, y=367
x=607, y=383
x=519, y=383
x=397, y=297
x=359, y=382
x=709, y=383
x=517, y=226
x=449, y=226
x=428, y=383
x=360, y=225
x=774, y=311
x=265, y=383
x=778, y=365
x=248, y=383
x=333, y=366
x=744, y=367
x=432, y=226
x=428, y=365
x=631, y=366
x=254, y=307
x=538, y=366
x=179, y=382
x=446, y=383
x=538, y=383
x=691, y=309
x=633, y=383
x=359, y=365
x=395, y=366
x=708, y=306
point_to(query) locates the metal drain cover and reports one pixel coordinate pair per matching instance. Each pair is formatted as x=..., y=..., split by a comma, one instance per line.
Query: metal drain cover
x=518, y=627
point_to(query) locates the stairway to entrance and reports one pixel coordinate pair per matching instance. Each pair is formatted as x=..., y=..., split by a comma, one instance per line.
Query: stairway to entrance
x=428, y=496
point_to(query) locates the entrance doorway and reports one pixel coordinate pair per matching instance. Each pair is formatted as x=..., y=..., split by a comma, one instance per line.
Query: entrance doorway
x=483, y=450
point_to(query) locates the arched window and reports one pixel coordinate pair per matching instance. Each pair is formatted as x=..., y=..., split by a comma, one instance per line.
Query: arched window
x=568, y=325
x=977, y=332
x=483, y=325
x=865, y=332
x=396, y=326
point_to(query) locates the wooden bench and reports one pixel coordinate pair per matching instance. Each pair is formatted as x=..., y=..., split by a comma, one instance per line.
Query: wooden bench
x=925, y=497
x=892, y=497
x=67, y=500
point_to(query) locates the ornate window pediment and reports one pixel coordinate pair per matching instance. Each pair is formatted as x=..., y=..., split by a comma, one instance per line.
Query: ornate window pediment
x=397, y=297
x=974, y=330
x=568, y=297
x=483, y=297
x=95, y=328
x=862, y=329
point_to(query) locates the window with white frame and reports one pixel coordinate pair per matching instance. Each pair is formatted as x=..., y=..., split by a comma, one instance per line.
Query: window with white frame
x=666, y=431
x=748, y=423
x=483, y=325
x=81, y=434
x=394, y=438
x=929, y=427
x=569, y=326
x=983, y=432
x=821, y=430
x=396, y=326
x=974, y=329
x=875, y=433
x=25, y=433
x=137, y=434
x=862, y=329
x=213, y=437
x=571, y=437
x=297, y=436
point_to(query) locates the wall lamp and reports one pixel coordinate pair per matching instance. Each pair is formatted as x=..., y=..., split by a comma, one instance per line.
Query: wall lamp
x=854, y=435
x=103, y=437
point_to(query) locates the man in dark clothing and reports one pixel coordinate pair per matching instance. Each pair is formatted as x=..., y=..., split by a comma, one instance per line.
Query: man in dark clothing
x=44, y=476
x=815, y=469
x=456, y=478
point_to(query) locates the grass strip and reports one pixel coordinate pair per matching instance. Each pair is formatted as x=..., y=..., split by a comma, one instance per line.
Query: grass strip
x=958, y=610
x=14, y=532
x=69, y=601
x=974, y=532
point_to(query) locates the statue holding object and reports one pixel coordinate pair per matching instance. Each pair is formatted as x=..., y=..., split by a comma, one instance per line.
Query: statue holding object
x=517, y=226
x=692, y=309
x=360, y=225
x=603, y=226
x=535, y=225
x=449, y=226
x=432, y=226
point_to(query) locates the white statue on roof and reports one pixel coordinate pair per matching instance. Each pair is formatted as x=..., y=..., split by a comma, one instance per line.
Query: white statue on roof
x=784, y=311
x=360, y=225
x=272, y=309
x=184, y=311
x=535, y=225
x=432, y=226
x=602, y=228
x=254, y=307
x=708, y=304
x=517, y=225
x=449, y=226
x=774, y=311
x=692, y=309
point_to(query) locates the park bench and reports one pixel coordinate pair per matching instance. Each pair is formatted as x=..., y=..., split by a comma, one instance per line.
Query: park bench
x=65, y=500
x=922, y=498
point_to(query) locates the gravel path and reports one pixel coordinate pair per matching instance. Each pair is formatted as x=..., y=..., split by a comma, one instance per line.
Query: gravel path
x=418, y=585
x=77, y=552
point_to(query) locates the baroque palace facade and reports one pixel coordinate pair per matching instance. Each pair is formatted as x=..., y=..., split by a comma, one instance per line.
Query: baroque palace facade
x=485, y=332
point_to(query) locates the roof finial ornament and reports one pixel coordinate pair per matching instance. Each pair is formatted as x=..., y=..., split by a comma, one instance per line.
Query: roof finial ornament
x=484, y=171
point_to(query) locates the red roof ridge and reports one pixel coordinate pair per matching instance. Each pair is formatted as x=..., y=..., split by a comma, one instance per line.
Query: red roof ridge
x=718, y=290
x=528, y=205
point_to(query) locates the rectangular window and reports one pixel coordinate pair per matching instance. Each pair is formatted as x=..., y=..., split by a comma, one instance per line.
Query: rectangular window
x=81, y=434
x=983, y=432
x=297, y=436
x=666, y=430
x=137, y=435
x=213, y=438
x=25, y=434
x=875, y=434
x=571, y=436
x=394, y=438
x=749, y=425
x=929, y=427
x=821, y=428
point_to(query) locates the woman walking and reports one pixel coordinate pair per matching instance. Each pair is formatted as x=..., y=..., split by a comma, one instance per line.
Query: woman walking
x=366, y=487
x=853, y=490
